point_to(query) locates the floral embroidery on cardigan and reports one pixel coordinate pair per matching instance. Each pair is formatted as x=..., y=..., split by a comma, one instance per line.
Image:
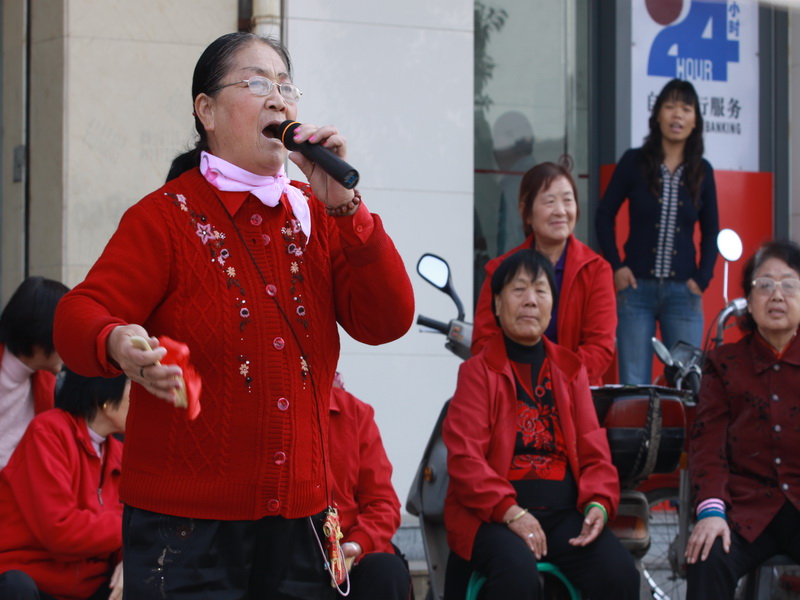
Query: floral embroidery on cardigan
x=244, y=370
x=214, y=240
x=295, y=242
x=303, y=366
x=294, y=271
x=204, y=233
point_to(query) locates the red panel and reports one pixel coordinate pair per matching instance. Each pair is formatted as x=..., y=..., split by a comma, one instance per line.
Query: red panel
x=745, y=205
x=627, y=411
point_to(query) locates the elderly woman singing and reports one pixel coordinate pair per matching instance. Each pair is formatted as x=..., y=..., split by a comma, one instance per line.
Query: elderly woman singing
x=743, y=460
x=530, y=470
x=252, y=272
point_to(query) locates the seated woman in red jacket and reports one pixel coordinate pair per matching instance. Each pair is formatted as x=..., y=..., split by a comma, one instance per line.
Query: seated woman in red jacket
x=584, y=309
x=530, y=468
x=369, y=510
x=61, y=530
x=744, y=466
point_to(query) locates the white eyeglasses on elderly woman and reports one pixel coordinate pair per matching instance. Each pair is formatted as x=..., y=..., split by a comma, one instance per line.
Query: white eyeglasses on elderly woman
x=261, y=86
x=766, y=285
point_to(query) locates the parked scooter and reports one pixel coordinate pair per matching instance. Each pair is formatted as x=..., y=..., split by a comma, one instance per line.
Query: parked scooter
x=645, y=425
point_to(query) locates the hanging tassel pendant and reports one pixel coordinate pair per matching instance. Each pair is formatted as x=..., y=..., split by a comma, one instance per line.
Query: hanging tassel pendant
x=333, y=534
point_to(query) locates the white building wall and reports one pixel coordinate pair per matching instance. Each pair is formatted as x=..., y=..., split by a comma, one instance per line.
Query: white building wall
x=397, y=80
x=128, y=104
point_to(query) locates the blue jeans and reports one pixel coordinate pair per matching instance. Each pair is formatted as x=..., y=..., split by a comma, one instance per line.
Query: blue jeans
x=679, y=313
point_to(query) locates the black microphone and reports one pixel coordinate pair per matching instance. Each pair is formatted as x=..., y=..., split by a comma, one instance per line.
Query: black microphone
x=334, y=166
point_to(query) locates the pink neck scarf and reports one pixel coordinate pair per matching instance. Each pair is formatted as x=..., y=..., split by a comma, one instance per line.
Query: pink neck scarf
x=230, y=178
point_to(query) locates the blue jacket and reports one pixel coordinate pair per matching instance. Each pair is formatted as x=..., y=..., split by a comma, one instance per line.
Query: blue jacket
x=629, y=182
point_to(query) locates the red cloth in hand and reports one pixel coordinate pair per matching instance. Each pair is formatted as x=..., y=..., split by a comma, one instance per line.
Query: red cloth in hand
x=178, y=354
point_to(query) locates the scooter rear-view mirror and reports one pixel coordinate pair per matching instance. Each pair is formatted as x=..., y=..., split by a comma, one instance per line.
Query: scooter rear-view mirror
x=434, y=270
x=729, y=245
x=662, y=352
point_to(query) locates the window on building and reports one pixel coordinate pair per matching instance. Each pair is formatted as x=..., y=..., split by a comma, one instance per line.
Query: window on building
x=531, y=106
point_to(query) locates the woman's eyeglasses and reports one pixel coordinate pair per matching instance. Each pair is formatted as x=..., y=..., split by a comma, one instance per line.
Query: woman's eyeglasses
x=766, y=285
x=261, y=86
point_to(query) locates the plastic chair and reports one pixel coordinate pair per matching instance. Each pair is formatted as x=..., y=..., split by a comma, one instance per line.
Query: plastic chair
x=477, y=580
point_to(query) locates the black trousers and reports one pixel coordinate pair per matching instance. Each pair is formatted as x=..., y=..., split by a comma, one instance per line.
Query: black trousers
x=716, y=577
x=18, y=585
x=603, y=570
x=379, y=576
x=167, y=557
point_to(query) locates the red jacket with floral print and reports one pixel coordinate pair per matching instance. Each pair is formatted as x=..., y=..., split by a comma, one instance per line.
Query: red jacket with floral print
x=587, y=307
x=746, y=433
x=61, y=516
x=369, y=510
x=258, y=305
x=480, y=430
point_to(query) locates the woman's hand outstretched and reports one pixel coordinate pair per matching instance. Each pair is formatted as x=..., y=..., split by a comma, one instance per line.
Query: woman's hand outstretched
x=593, y=524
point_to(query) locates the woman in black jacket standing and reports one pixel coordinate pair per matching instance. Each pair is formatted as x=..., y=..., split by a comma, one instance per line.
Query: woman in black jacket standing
x=670, y=188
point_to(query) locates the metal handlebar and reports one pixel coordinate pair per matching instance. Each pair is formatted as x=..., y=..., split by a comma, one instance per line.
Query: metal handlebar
x=433, y=324
x=736, y=307
x=691, y=380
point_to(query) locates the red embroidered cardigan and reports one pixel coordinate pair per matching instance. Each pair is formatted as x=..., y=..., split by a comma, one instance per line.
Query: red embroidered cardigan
x=177, y=265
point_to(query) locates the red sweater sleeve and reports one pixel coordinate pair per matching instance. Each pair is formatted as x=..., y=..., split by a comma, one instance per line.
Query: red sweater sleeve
x=373, y=294
x=467, y=433
x=357, y=228
x=131, y=276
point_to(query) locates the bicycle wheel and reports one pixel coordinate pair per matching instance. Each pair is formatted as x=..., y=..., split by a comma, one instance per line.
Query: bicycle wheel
x=660, y=564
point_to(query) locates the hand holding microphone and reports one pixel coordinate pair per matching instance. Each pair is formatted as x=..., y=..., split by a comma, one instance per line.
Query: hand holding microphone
x=328, y=161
